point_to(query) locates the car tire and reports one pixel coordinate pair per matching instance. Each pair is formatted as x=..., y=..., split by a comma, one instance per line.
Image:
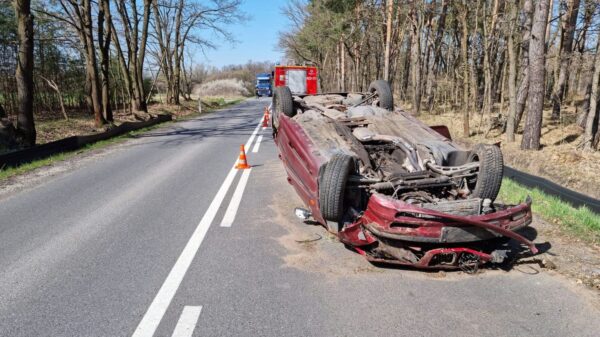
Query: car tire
x=384, y=93
x=284, y=102
x=491, y=170
x=332, y=186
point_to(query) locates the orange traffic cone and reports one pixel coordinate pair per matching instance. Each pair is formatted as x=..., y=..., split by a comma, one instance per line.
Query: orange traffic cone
x=242, y=162
x=265, y=122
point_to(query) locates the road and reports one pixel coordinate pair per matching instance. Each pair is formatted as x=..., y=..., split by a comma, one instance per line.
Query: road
x=161, y=237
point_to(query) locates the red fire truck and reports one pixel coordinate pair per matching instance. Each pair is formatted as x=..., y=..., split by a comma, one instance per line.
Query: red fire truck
x=302, y=80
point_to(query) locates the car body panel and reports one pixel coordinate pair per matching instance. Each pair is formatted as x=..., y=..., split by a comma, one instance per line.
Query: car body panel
x=302, y=162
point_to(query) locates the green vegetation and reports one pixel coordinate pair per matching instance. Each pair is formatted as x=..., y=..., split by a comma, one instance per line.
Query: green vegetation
x=579, y=221
x=214, y=105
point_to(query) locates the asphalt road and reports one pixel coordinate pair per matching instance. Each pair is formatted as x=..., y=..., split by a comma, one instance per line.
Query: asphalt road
x=159, y=236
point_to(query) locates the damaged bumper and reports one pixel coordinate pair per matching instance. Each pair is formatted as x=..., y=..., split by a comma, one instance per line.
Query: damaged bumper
x=393, y=231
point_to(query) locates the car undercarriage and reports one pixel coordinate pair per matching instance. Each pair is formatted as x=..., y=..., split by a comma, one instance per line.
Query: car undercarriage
x=391, y=187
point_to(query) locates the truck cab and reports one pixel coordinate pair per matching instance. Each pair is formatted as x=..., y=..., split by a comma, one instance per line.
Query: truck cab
x=263, y=85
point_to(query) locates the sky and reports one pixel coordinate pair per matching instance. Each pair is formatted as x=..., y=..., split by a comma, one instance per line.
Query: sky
x=256, y=38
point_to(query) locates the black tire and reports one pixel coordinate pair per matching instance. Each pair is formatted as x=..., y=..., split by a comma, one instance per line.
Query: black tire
x=491, y=170
x=384, y=93
x=332, y=186
x=283, y=102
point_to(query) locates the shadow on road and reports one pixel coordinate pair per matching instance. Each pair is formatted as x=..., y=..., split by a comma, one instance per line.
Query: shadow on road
x=206, y=128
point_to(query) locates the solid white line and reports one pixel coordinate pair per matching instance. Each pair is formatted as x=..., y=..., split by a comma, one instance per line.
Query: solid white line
x=236, y=199
x=163, y=298
x=159, y=305
x=257, y=144
x=187, y=321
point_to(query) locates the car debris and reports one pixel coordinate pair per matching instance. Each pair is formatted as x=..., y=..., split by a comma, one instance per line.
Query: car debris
x=392, y=188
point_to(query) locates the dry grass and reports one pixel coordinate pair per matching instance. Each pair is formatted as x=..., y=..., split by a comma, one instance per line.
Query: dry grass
x=224, y=87
x=559, y=159
x=54, y=129
x=52, y=126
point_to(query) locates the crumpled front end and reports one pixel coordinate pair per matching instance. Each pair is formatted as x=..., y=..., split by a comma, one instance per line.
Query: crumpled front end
x=447, y=235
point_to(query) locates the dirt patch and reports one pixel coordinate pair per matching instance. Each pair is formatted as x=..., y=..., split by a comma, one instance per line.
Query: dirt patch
x=310, y=247
x=568, y=255
x=558, y=160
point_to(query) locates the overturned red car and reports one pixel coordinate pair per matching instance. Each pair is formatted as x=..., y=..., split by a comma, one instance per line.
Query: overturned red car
x=390, y=187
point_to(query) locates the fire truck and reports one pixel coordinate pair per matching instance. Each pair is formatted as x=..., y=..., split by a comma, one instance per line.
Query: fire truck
x=302, y=80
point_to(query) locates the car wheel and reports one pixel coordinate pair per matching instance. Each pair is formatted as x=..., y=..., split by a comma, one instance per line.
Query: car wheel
x=384, y=94
x=283, y=101
x=491, y=170
x=332, y=186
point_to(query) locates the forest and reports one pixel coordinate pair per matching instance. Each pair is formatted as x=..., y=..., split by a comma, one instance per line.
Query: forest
x=516, y=64
x=64, y=57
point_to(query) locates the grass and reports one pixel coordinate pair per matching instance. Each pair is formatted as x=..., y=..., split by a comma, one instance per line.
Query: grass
x=580, y=221
x=14, y=171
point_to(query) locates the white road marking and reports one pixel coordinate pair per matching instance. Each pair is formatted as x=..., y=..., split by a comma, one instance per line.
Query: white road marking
x=249, y=142
x=159, y=305
x=187, y=321
x=257, y=144
x=236, y=199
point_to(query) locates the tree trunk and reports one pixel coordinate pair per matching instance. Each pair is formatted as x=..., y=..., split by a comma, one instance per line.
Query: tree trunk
x=512, y=78
x=91, y=65
x=533, y=122
x=465, y=66
x=388, y=38
x=54, y=86
x=407, y=67
x=585, y=107
x=25, y=131
x=437, y=55
x=523, y=90
x=342, y=65
x=140, y=93
x=416, y=59
x=566, y=46
x=489, y=51
x=591, y=121
x=104, y=38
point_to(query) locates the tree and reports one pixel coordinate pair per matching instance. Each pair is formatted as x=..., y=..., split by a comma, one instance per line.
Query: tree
x=537, y=60
x=77, y=14
x=515, y=115
x=388, y=38
x=464, y=42
x=417, y=24
x=175, y=25
x=24, y=74
x=136, y=39
x=437, y=55
x=512, y=76
x=104, y=38
x=591, y=138
x=568, y=23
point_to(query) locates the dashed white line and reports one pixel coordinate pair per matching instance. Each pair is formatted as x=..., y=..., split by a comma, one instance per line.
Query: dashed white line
x=187, y=321
x=257, y=144
x=159, y=305
x=236, y=199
